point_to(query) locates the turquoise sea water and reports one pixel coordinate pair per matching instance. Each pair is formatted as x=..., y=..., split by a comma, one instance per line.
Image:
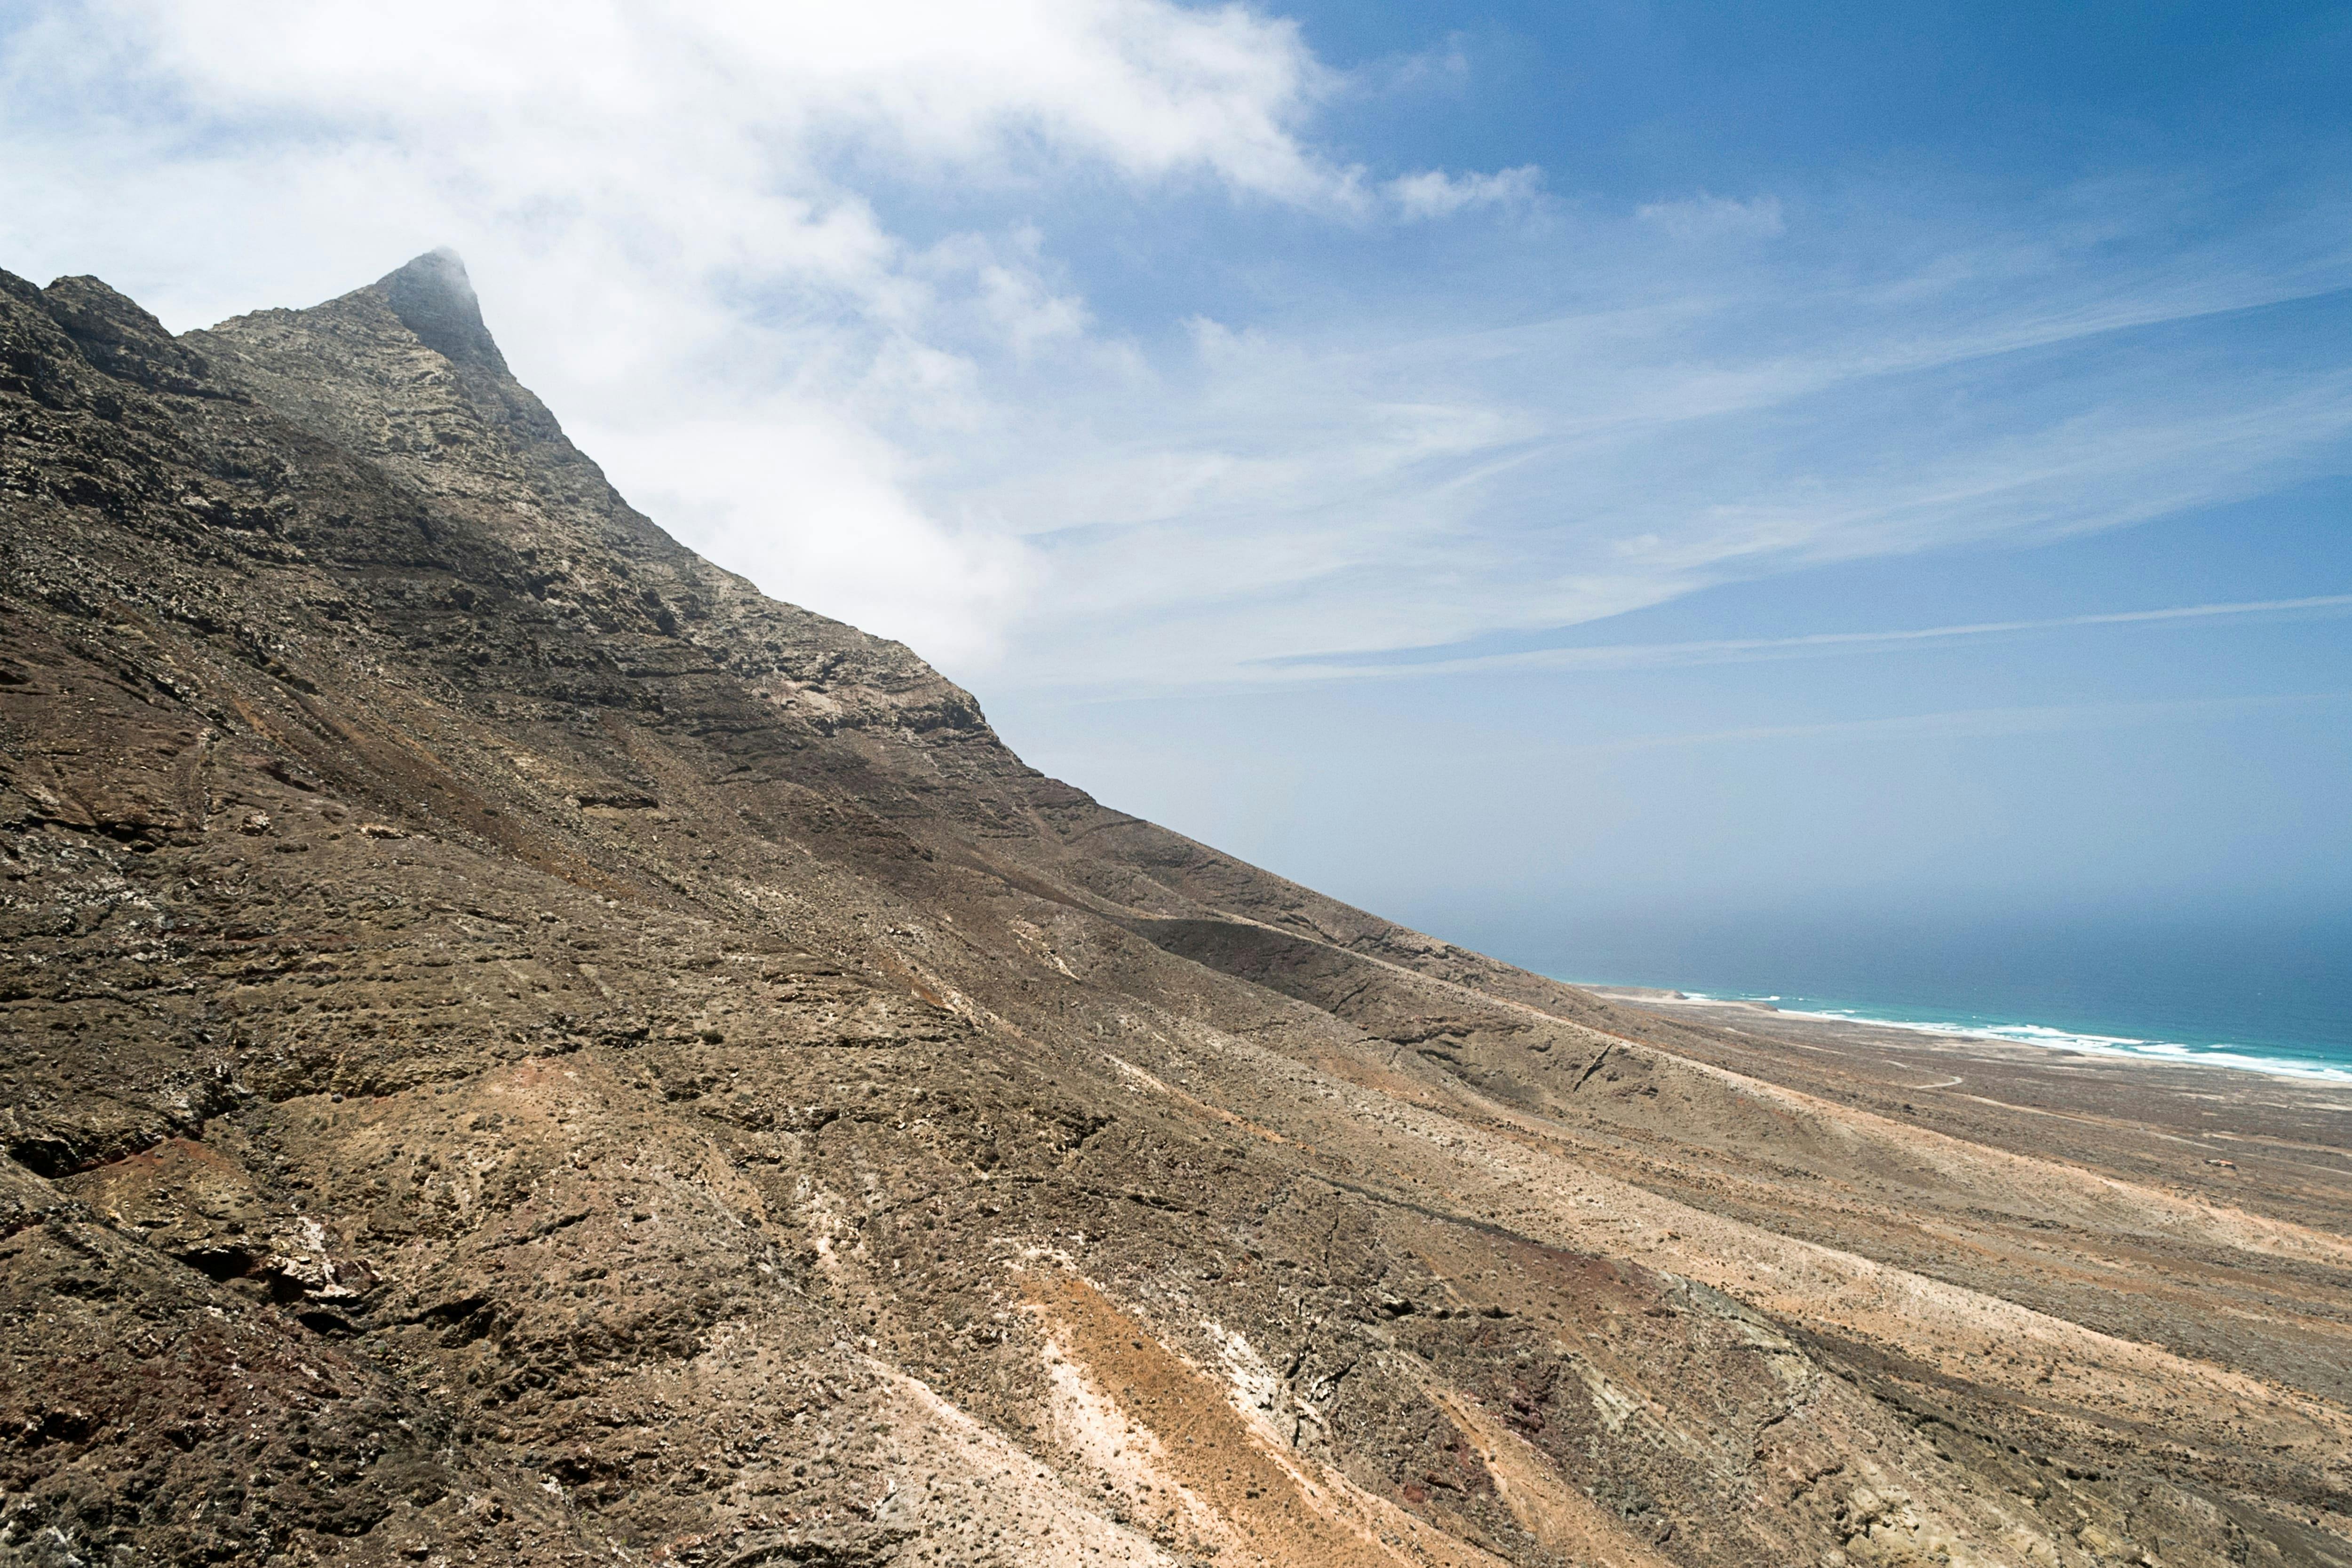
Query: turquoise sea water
x=2268, y=991
x=2241, y=1051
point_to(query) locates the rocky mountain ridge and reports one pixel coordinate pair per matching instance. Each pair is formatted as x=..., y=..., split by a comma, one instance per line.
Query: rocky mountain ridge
x=521, y=1048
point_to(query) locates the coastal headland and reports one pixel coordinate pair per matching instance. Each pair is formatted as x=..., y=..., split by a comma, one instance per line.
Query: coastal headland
x=518, y=1048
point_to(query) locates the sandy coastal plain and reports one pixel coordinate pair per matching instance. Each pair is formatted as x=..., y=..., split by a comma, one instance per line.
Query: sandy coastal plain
x=2236, y=1151
x=2274, y=1143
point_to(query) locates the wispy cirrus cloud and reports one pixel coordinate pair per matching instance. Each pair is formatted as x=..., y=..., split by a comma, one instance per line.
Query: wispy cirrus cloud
x=1704, y=216
x=1296, y=510
x=1744, y=650
x=2044, y=719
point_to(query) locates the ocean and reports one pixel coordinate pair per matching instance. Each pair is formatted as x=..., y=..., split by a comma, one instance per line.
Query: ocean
x=2266, y=992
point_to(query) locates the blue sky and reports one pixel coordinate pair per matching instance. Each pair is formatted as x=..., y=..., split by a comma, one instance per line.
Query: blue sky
x=1517, y=468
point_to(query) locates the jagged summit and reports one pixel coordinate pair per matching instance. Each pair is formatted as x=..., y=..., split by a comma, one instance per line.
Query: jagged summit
x=435, y=300
x=371, y=370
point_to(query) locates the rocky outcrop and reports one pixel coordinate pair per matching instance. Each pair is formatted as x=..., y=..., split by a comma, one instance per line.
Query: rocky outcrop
x=520, y=1048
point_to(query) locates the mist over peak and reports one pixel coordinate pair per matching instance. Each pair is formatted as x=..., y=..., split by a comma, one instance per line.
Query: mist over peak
x=434, y=299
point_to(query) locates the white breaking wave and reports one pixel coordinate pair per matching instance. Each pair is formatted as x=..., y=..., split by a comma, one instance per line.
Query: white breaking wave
x=2228, y=1056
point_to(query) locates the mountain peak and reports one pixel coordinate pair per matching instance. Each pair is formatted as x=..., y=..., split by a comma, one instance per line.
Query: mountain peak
x=435, y=300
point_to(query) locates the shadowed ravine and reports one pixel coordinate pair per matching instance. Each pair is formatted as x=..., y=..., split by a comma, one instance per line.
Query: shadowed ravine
x=521, y=1048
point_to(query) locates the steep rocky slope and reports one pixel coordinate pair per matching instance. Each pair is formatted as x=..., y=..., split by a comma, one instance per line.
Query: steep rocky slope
x=520, y=1049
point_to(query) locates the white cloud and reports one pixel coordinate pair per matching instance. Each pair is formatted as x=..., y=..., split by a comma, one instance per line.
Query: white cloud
x=1433, y=193
x=1152, y=88
x=814, y=509
x=665, y=209
x=1704, y=217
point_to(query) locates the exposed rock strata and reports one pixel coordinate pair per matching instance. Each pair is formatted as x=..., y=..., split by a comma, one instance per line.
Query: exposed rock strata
x=518, y=1048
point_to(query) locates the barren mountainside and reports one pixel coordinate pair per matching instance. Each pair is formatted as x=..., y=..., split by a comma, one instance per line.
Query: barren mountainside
x=520, y=1049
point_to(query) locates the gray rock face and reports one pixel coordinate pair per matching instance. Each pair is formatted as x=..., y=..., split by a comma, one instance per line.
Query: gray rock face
x=435, y=300
x=518, y=1048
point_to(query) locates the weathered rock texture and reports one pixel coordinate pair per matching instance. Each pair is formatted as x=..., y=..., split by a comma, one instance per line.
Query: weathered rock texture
x=520, y=1049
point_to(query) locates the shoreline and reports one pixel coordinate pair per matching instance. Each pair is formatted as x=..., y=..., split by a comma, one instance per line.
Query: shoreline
x=2277, y=1143
x=2029, y=1037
